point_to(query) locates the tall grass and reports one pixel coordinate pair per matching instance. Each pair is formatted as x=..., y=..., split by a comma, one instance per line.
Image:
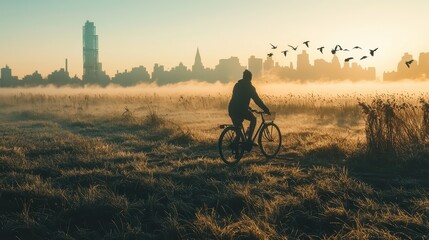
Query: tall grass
x=395, y=131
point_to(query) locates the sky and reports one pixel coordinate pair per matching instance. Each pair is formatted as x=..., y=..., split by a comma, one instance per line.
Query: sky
x=40, y=35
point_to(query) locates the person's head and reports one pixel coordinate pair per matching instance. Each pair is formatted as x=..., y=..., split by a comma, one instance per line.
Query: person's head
x=247, y=75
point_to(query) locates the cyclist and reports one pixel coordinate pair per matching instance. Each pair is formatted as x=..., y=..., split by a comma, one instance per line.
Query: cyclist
x=238, y=108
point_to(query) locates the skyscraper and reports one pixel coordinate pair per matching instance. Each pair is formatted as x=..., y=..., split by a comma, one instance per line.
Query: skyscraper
x=91, y=66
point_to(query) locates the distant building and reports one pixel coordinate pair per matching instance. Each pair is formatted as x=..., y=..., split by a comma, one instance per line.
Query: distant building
x=416, y=70
x=6, y=73
x=254, y=65
x=229, y=69
x=198, y=66
x=198, y=70
x=268, y=64
x=90, y=49
x=303, y=67
x=92, y=68
x=7, y=80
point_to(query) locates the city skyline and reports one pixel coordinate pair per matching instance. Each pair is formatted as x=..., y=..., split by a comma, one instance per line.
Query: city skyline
x=227, y=69
x=40, y=36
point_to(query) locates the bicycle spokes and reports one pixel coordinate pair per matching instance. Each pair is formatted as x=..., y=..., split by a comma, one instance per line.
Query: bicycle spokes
x=270, y=140
x=229, y=145
x=268, y=133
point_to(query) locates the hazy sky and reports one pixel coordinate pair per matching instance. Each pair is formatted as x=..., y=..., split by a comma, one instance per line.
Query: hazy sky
x=40, y=34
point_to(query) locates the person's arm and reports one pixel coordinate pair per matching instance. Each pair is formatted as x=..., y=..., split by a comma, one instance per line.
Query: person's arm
x=258, y=100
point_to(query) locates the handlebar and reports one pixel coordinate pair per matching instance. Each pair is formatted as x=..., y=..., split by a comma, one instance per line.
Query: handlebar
x=256, y=111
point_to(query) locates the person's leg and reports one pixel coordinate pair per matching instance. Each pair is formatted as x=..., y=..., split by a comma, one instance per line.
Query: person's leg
x=249, y=116
x=238, y=123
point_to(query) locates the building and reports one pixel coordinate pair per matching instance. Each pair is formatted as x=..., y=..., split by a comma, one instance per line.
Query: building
x=92, y=70
x=229, y=69
x=91, y=66
x=6, y=73
x=6, y=78
x=268, y=64
x=413, y=71
x=198, y=66
x=254, y=65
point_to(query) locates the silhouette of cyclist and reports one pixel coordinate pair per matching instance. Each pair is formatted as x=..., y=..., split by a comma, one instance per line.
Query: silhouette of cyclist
x=238, y=108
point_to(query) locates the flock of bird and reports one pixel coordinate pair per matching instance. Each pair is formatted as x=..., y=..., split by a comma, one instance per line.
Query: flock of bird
x=333, y=51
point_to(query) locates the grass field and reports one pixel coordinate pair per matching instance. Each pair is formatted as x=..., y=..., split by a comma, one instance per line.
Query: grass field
x=146, y=166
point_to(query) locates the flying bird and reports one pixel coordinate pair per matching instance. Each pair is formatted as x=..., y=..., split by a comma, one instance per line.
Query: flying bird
x=306, y=43
x=345, y=49
x=372, y=51
x=272, y=46
x=270, y=54
x=408, y=63
x=357, y=47
x=294, y=48
x=362, y=58
x=321, y=49
x=348, y=59
x=337, y=47
x=285, y=52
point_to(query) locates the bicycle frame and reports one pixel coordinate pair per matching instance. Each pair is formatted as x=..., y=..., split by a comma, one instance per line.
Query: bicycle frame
x=222, y=126
x=259, y=128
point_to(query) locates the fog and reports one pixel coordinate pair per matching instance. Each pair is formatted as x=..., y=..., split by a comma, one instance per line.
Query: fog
x=202, y=88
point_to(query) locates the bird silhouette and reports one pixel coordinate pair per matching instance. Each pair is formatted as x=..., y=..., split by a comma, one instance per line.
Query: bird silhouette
x=372, y=51
x=321, y=49
x=357, y=47
x=338, y=47
x=270, y=54
x=272, y=46
x=348, y=59
x=408, y=63
x=345, y=49
x=362, y=58
x=285, y=52
x=294, y=48
x=306, y=43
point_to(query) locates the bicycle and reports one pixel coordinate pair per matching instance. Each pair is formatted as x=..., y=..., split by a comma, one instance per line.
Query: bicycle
x=232, y=147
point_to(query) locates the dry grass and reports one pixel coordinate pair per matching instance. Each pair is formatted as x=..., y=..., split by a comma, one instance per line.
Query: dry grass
x=147, y=167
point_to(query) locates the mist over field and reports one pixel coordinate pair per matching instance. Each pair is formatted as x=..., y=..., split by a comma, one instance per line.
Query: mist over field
x=197, y=88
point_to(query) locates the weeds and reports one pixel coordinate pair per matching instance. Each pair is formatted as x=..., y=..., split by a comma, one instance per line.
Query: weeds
x=393, y=131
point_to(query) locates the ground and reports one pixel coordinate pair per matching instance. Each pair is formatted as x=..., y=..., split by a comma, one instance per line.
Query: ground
x=147, y=167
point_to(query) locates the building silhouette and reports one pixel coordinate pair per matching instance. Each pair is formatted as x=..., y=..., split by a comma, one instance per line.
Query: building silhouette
x=6, y=78
x=92, y=68
x=418, y=69
x=90, y=50
x=6, y=73
x=268, y=65
x=254, y=65
x=229, y=69
x=199, y=72
x=321, y=70
x=198, y=66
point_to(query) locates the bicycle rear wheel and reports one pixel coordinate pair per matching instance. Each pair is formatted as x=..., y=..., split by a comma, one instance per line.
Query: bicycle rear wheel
x=270, y=140
x=230, y=146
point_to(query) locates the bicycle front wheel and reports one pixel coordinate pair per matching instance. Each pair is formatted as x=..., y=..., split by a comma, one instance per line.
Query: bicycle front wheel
x=270, y=140
x=230, y=146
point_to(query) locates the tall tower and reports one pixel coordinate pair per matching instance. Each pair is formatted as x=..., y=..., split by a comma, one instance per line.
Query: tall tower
x=91, y=66
x=198, y=64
